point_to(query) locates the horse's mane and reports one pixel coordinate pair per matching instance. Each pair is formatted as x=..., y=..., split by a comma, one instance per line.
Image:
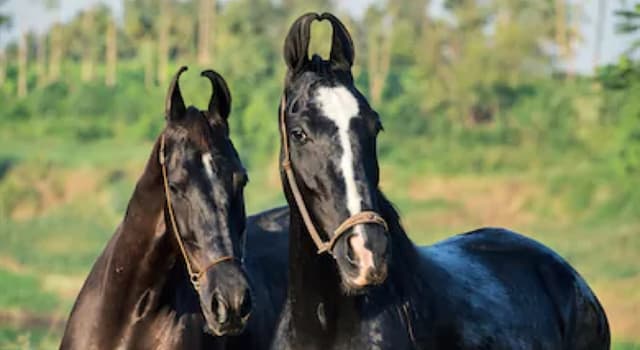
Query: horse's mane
x=404, y=253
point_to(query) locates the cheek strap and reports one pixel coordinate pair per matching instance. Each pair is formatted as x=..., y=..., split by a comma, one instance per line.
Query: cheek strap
x=364, y=217
x=194, y=277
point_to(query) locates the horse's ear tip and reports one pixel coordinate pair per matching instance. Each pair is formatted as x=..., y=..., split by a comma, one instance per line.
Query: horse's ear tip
x=315, y=15
x=183, y=69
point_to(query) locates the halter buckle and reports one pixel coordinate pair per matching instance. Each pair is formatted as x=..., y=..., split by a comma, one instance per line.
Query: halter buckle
x=195, y=280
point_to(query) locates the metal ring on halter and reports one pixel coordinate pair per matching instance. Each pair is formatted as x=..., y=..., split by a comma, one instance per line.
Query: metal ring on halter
x=364, y=217
x=194, y=277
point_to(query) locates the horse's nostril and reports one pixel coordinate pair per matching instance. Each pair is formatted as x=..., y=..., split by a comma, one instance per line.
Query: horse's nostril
x=351, y=255
x=246, y=305
x=219, y=308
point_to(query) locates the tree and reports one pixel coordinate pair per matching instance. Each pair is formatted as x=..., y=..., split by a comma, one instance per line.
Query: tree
x=88, y=44
x=206, y=17
x=22, y=65
x=163, y=40
x=111, y=52
x=5, y=23
x=56, y=43
x=5, y=20
x=629, y=23
x=379, y=51
x=599, y=35
x=41, y=59
x=141, y=25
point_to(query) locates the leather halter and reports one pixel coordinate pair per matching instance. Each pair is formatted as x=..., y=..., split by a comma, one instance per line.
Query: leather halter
x=363, y=217
x=194, y=277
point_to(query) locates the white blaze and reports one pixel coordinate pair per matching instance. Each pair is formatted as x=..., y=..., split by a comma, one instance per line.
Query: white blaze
x=339, y=105
x=207, y=161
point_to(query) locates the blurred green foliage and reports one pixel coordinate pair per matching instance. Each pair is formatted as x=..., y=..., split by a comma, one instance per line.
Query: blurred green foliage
x=483, y=125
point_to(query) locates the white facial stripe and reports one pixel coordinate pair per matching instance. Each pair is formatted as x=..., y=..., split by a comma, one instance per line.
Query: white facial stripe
x=365, y=259
x=339, y=105
x=207, y=160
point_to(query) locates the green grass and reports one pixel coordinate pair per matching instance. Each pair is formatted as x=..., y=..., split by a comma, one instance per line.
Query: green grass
x=66, y=240
x=625, y=346
x=24, y=292
x=12, y=338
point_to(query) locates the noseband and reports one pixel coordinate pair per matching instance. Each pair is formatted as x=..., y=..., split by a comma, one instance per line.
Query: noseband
x=363, y=217
x=194, y=277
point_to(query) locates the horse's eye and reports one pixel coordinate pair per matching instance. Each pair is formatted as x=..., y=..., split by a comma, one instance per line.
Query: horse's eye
x=299, y=135
x=173, y=187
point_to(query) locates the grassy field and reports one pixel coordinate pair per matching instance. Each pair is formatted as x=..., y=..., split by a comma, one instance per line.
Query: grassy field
x=61, y=201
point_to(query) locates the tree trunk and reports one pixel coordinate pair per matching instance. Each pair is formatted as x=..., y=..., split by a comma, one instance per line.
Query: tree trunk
x=206, y=16
x=87, y=53
x=561, y=31
x=41, y=59
x=55, y=55
x=3, y=67
x=22, y=66
x=111, y=58
x=163, y=41
x=597, y=53
x=147, y=48
x=379, y=62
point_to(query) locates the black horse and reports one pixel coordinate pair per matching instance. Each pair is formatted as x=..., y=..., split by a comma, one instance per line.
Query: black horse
x=374, y=289
x=172, y=276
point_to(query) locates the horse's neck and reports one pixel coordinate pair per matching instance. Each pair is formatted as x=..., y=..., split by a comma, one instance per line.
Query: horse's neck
x=147, y=201
x=314, y=280
x=406, y=255
x=127, y=279
x=317, y=303
x=143, y=240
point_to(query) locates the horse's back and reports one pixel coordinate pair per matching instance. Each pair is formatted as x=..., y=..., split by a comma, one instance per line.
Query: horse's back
x=522, y=286
x=267, y=249
x=266, y=262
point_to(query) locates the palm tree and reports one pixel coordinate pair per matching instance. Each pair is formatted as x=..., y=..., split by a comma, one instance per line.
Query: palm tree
x=163, y=28
x=602, y=9
x=140, y=23
x=111, y=52
x=22, y=64
x=5, y=23
x=56, y=42
x=206, y=17
x=88, y=28
x=379, y=52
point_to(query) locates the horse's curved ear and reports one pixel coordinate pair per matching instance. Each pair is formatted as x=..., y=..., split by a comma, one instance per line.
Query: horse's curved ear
x=174, y=104
x=342, y=50
x=220, y=101
x=296, y=45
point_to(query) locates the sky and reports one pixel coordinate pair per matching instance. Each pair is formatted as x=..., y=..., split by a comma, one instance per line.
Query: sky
x=31, y=14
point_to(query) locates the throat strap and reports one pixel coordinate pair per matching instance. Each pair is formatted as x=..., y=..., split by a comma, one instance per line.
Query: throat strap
x=364, y=217
x=194, y=277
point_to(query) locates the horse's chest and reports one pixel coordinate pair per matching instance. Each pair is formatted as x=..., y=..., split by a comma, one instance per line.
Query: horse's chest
x=378, y=334
x=380, y=331
x=166, y=331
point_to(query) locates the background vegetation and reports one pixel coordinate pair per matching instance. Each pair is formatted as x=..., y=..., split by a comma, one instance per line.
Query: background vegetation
x=486, y=124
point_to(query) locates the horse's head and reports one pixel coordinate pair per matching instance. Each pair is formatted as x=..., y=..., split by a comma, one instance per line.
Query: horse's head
x=204, y=181
x=329, y=141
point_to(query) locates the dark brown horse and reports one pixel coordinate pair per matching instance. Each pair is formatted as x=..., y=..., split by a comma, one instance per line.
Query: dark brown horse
x=356, y=281
x=172, y=276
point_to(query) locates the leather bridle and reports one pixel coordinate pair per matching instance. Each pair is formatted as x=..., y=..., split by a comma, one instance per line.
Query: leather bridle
x=363, y=217
x=194, y=277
